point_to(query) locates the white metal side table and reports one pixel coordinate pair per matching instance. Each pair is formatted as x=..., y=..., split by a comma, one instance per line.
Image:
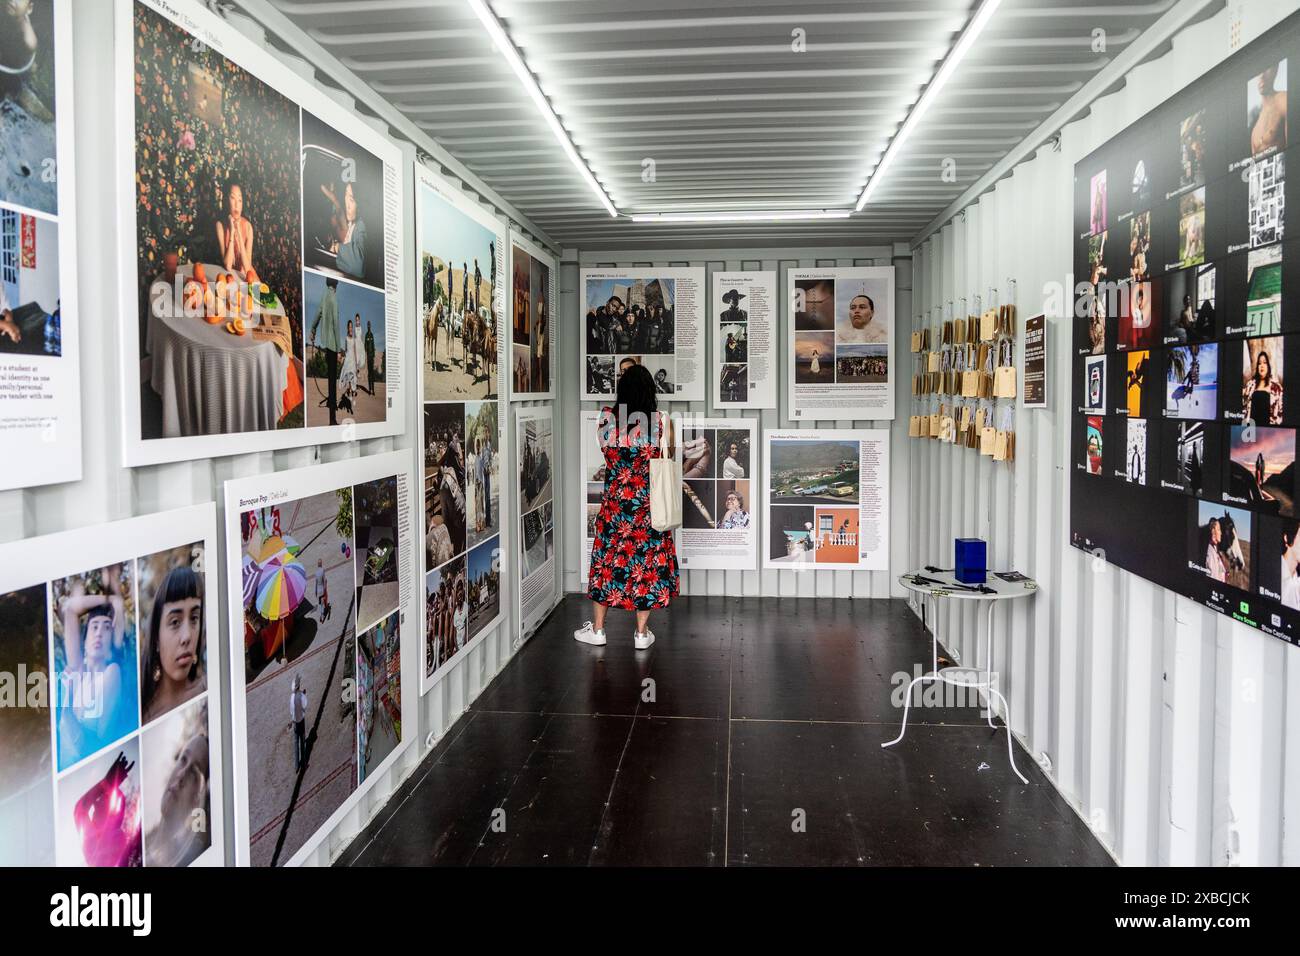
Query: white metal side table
x=981, y=680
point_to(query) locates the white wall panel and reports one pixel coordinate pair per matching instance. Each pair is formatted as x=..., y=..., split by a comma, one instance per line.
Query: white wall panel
x=1171, y=729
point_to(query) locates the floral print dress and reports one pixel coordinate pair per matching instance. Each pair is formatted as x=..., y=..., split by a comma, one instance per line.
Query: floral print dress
x=633, y=566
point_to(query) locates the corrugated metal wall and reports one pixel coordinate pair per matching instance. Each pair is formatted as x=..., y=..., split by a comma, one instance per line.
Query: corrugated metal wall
x=860, y=584
x=1173, y=730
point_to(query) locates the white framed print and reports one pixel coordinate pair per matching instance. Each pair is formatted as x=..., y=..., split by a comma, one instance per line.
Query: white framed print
x=840, y=343
x=320, y=579
x=460, y=285
x=532, y=300
x=721, y=483
x=40, y=373
x=538, y=586
x=259, y=249
x=111, y=731
x=826, y=499
x=743, y=317
x=650, y=317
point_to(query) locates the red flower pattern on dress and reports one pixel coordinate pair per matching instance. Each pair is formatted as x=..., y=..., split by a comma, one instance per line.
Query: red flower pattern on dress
x=632, y=566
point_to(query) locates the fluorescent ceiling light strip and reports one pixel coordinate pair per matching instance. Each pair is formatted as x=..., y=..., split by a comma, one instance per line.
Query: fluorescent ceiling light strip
x=774, y=215
x=928, y=96
x=508, y=50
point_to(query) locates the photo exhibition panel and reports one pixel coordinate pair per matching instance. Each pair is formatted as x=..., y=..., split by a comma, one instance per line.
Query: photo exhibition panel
x=322, y=645
x=1186, y=352
x=112, y=736
x=260, y=275
x=461, y=257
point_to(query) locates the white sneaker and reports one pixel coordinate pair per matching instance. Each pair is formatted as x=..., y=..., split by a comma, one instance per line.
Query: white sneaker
x=642, y=641
x=589, y=635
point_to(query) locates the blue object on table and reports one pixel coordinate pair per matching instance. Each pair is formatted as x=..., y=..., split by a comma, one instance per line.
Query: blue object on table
x=970, y=560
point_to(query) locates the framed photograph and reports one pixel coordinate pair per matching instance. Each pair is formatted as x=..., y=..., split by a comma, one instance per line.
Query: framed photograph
x=260, y=292
x=322, y=644
x=114, y=759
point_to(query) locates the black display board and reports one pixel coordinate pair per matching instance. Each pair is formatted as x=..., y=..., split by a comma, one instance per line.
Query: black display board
x=1186, y=351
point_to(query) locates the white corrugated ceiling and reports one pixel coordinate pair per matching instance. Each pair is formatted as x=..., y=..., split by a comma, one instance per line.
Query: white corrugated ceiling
x=716, y=94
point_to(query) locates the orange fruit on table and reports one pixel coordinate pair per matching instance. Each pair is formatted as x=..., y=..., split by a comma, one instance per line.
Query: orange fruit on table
x=200, y=274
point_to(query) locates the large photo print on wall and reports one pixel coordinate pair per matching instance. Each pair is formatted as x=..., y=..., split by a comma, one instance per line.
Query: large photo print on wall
x=826, y=499
x=743, y=314
x=538, y=587
x=532, y=305
x=650, y=317
x=461, y=253
x=40, y=405
x=321, y=647
x=112, y=746
x=840, y=339
x=719, y=480
x=260, y=294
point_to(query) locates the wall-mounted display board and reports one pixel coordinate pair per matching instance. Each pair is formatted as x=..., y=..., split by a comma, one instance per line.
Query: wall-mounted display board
x=110, y=713
x=260, y=247
x=591, y=487
x=322, y=640
x=826, y=499
x=533, y=276
x=840, y=343
x=40, y=393
x=654, y=317
x=460, y=268
x=1186, y=345
x=538, y=588
x=744, y=312
x=719, y=483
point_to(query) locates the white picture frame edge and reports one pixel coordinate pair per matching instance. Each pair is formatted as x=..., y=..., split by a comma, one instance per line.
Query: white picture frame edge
x=305, y=482
x=428, y=179
x=137, y=450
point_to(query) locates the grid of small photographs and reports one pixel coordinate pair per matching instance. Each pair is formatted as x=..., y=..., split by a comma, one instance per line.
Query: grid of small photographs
x=536, y=496
x=734, y=370
x=837, y=338
x=530, y=304
x=1187, y=342
x=462, y=510
x=322, y=656
x=630, y=322
x=106, y=750
x=261, y=238
x=462, y=427
x=813, y=501
x=716, y=478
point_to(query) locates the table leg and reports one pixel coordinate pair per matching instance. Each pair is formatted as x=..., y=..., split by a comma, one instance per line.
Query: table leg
x=988, y=657
x=1011, y=756
x=934, y=634
x=907, y=706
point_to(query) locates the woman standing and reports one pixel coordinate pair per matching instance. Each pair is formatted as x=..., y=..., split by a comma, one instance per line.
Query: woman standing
x=633, y=567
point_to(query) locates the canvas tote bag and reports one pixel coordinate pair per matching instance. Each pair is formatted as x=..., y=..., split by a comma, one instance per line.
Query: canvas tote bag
x=665, y=486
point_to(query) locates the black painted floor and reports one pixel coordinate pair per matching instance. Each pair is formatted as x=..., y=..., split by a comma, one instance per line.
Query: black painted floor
x=749, y=734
